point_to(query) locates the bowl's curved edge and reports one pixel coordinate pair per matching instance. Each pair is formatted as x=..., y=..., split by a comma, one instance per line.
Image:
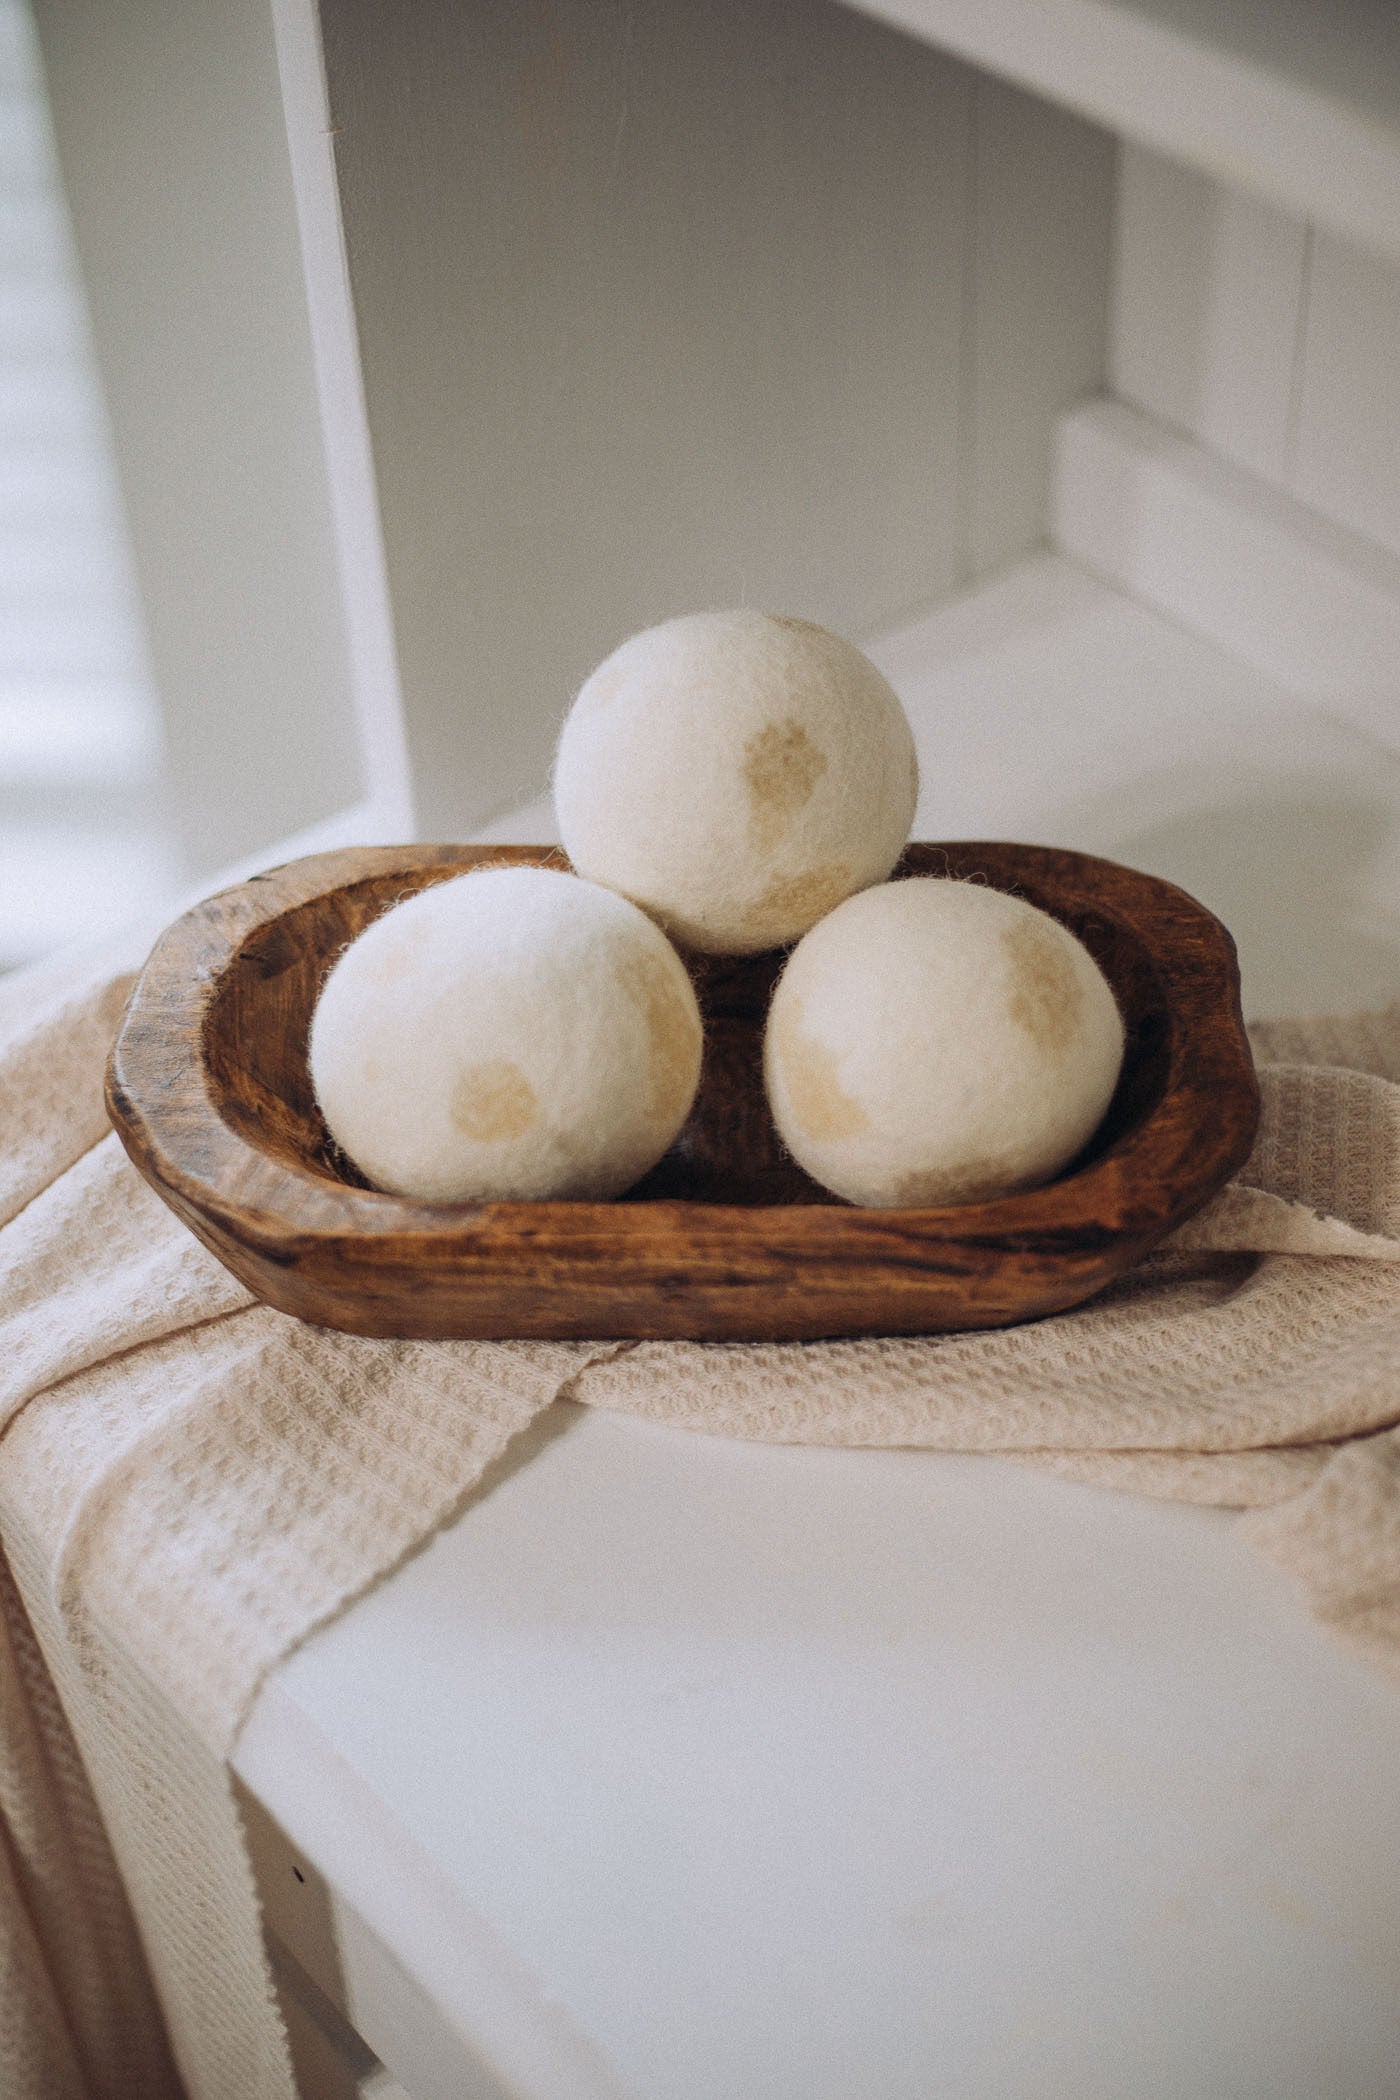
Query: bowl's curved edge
x=348, y=1257
x=156, y=1082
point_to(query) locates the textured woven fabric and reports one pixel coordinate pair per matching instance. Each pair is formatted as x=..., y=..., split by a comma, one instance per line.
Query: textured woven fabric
x=189, y=1483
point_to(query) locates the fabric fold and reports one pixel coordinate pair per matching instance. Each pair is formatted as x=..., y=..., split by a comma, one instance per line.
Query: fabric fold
x=191, y=1483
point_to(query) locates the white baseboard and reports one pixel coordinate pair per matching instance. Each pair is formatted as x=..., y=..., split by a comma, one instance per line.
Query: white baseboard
x=1314, y=607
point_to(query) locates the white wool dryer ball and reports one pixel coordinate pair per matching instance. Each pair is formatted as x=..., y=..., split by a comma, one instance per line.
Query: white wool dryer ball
x=513, y=1032
x=736, y=774
x=935, y=1041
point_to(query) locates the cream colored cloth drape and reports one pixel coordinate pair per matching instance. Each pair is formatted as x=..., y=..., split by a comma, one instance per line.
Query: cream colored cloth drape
x=189, y=1483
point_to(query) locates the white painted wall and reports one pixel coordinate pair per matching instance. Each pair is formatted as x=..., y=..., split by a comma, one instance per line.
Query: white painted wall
x=679, y=305
x=85, y=839
x=528, y=325
x=1273, y=343
x=1042, y=216
x=523, y=326
x=1346, y=459
x=1296, y=101
x=171, y=135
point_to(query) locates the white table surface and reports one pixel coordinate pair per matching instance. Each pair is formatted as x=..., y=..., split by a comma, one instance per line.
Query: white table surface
x=804, y=1773
x=678, y=1767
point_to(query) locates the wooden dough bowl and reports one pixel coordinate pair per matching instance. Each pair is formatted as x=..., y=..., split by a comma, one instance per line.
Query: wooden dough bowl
x=726, y=1239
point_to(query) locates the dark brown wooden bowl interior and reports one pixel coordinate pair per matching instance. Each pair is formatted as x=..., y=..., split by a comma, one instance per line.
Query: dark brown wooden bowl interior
x=726, y=1238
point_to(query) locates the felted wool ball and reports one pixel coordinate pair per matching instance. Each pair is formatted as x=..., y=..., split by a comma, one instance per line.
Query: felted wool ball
x=514, y=1032
x=736, y=774
x=937, y=1042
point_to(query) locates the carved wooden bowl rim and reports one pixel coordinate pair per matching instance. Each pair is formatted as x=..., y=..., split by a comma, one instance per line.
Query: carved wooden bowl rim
x=308, y=1242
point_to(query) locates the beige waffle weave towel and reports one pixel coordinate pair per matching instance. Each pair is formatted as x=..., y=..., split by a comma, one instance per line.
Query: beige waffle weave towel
x=189, y=1483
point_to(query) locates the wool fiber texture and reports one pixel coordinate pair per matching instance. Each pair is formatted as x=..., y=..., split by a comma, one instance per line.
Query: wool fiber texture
x=736, y=774
x=190, y=1483
x=515, y=1032
x=938, y=1042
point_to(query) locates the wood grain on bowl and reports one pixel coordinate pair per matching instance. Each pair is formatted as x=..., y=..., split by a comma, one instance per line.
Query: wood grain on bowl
x=726, y=1239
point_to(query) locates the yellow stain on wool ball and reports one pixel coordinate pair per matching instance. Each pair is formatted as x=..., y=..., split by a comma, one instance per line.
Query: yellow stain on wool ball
x=735, y=774
x=514, y=1033
x=781, y=767
x=494, y=1100
x=815, y=1101
x=1046, y=996
x=936, y=1042
x=796, y=900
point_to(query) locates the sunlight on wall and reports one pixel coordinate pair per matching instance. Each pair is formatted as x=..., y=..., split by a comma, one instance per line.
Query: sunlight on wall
x=83, y=844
